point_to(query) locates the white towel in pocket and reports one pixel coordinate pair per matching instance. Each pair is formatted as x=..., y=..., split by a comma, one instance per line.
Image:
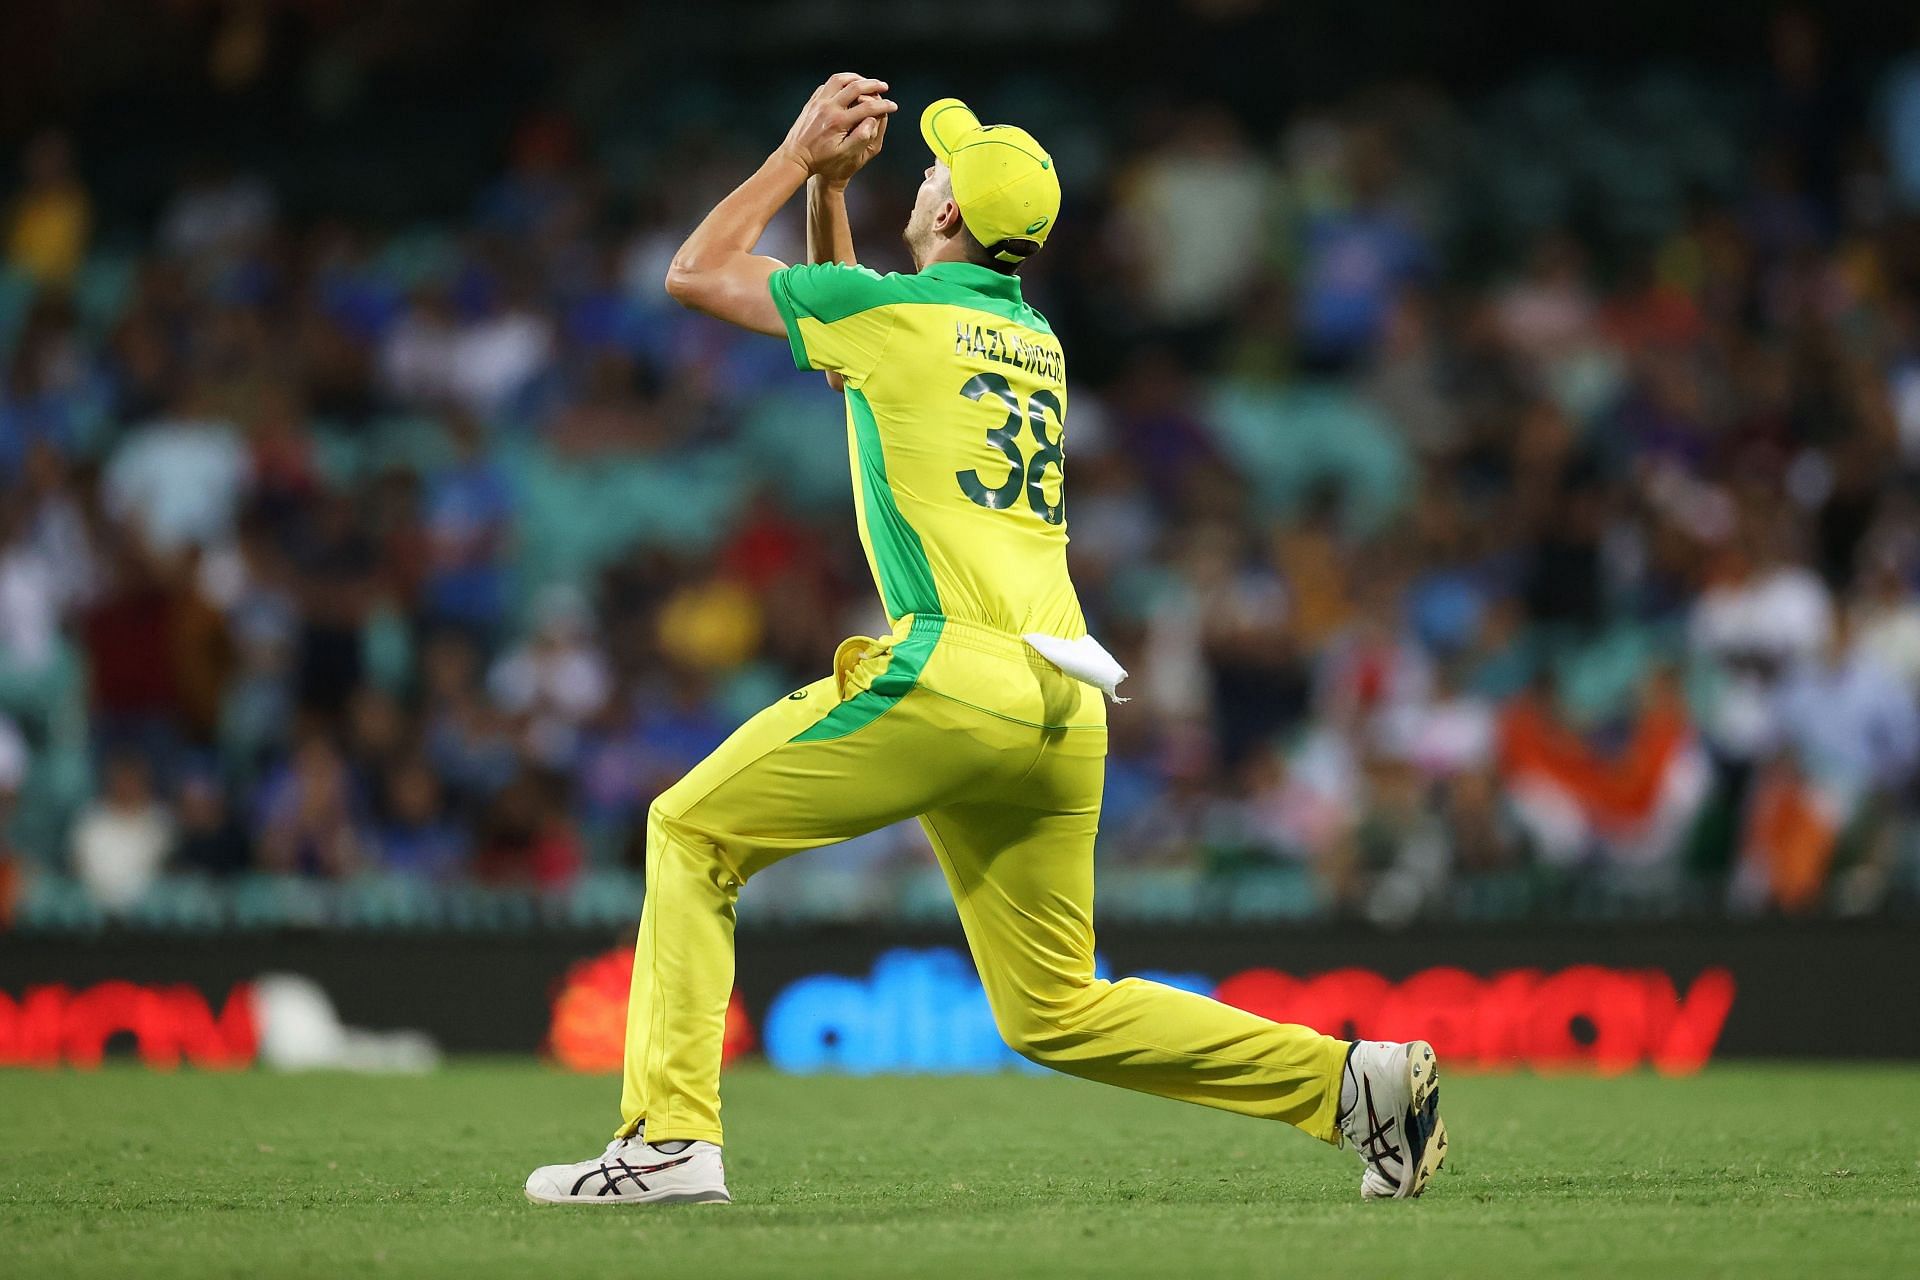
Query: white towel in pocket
x=1085, y=659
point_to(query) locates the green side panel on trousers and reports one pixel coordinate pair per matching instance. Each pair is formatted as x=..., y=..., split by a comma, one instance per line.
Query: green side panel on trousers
x=861, y=710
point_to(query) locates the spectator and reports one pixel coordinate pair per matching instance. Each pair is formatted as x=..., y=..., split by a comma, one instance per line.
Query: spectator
x=501, y=353
x=310, y=821
x=416, y=838
x=377, y=738
x=52, y=218
x=1192, y=209
x=281, y=455
x=1887, y=621
x=1410, y=379
x=121, y=842
x=1356, y=259
x=177, y=481
x=129, y=638
x=613, y=413
x=1372, y=674
x=1395, y=864
x=1220, y=619
x=53, y=393
x=468, y=508
x=714, y=624
x=528, y=839
x=208, y=839
x=263, y=621
x=482, y=364
x=1549, y=315
x=644, y=745
x=216, y=212
x=418, y=358
x=1849, y=719
x=200, y=648
x=59, y=530
x=557, y=681
x=1308, y=801
x=30, y=596
x=1765, y=615
x=1446, y=735
x=1850, y=729
x=336, y=587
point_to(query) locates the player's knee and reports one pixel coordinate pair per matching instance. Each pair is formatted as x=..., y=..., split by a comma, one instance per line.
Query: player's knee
x=1041, y=1022
x=1035, y=1034
x=666, y=810
x=677, y=816
x=667, y=831
x=1039, y=1042
x=679, y=847
x=658, y=817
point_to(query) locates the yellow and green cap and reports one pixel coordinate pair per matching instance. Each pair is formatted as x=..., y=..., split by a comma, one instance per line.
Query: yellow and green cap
x=1003, y=181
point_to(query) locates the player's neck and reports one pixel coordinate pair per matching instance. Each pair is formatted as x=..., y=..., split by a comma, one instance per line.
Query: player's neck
x=942, y=256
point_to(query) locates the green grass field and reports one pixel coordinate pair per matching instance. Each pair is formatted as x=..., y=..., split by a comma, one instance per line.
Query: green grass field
x=1747, y=1172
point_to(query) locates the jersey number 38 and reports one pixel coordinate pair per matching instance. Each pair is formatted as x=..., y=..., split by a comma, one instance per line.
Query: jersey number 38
x=1025, y=472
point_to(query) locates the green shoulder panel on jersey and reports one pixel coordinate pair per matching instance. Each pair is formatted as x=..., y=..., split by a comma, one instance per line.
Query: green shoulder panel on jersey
x=964, y=284
x=831, y=291
x=902, y=673
x=906, y=577
x=828, y=292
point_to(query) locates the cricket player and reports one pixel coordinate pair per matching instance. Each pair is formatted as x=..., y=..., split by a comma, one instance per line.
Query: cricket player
x=982, y=712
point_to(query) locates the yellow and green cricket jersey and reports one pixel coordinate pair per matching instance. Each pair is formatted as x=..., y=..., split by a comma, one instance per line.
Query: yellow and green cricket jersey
x=956, y=410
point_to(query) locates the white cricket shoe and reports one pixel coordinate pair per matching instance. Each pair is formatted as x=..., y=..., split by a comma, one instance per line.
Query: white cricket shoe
x=1395, y=1118
x=633, y=1172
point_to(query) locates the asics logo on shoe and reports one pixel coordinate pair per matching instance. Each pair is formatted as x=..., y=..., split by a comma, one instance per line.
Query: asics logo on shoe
x=619, y=1171
x=1378, y=1146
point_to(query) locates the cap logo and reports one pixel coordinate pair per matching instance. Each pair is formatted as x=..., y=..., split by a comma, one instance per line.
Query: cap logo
x=1037, y=224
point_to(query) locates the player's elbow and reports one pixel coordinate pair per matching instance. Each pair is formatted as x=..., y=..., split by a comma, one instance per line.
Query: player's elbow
x=724, y=287
x=693, y=276
x=685, y=284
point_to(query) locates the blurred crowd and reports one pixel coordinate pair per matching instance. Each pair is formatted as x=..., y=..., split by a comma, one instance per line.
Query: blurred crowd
x=1507, y=495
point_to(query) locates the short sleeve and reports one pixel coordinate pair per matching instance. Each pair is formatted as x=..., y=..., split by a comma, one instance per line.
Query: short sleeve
x=838, y=317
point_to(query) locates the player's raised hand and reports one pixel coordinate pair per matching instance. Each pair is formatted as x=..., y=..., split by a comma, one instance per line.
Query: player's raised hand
x=841, y=127
x=861, y=144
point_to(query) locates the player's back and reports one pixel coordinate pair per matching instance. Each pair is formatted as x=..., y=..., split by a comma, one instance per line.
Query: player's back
x=956, y=403
x=956, y=411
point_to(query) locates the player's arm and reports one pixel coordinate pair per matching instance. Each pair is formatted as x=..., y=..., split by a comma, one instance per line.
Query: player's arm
x=716, y=270
x=829, y=233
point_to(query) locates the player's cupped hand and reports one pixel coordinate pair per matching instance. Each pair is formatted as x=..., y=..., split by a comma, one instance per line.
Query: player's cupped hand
x=842, y=126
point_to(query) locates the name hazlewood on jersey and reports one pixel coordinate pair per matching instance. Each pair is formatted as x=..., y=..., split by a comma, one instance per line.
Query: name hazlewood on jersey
x=1008, y=348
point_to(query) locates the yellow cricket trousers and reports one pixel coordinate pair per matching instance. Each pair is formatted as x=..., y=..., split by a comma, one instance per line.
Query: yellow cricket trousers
x=948, y=722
